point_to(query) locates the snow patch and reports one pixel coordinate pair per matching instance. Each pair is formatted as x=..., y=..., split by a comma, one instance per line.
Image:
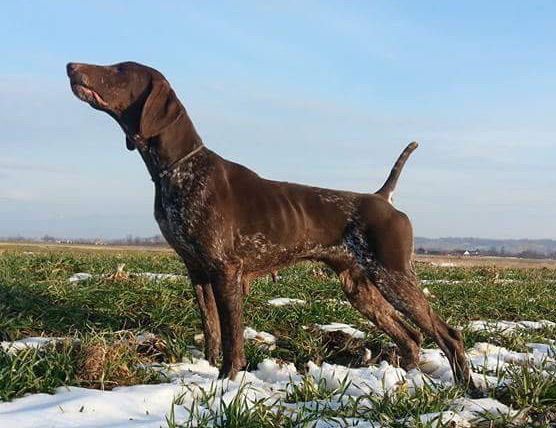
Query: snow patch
x=344, y=328
x=273, y=372
x=81, y=276
x=158, y=276
x=444, y=419
x=508, y=327
x=547, y=349
x=440, y=281
x=151, y=276
x=283, y=301
x=376, y=380
x=473, y=410
x=148, y=405
x=261, y=337
x=28, y=343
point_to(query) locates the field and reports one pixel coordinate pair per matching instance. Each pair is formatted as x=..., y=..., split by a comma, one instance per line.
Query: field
x=121, y=326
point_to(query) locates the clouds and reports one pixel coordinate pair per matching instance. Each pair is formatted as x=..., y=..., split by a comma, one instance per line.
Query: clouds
x=19, y=166
x=13, y=195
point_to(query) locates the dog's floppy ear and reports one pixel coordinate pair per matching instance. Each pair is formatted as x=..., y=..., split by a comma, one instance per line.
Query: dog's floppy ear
x=160, y=110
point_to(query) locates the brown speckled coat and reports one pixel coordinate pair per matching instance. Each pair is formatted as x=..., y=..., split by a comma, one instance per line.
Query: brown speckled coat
x=231, y=226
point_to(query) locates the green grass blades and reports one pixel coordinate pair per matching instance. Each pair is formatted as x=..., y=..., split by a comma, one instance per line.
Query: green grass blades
x=105, y=317
x=33, y=370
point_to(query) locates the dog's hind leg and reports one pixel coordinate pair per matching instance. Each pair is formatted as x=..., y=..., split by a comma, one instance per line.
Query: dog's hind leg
x=228, y=292
x=403, y=292
x=366, y=298
x=388, y=266
x=381, y=241
x=210, y=321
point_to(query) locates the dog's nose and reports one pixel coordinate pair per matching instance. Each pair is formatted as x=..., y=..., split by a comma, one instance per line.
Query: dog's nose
x=72, y=67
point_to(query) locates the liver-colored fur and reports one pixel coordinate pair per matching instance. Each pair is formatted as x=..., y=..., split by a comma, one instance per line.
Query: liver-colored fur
x=231, y=226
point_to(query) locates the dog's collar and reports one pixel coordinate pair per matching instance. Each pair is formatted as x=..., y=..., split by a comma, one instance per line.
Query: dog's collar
x=140, y=143
x=168, y=170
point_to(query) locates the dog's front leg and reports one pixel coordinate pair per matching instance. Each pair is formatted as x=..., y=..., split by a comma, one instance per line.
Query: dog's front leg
x=210, y=321
x=228, y=292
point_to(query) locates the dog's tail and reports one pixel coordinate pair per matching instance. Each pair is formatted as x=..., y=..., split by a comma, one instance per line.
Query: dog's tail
x=388, y=187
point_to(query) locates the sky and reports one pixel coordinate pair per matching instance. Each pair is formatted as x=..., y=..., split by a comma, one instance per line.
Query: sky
x=325, y=93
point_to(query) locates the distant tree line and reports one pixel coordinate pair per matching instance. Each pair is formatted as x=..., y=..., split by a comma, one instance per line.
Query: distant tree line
x=491, y=252
x=131, y=240
x=156, y=240
x=522, y=248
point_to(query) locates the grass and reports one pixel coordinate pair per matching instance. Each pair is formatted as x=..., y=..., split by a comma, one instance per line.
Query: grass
x=312, y=401
x=534, y=388
x=103, y=317
x=34, y=370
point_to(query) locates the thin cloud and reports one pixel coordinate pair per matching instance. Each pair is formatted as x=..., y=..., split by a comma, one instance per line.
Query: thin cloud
x=13, y=195
x=21, y=166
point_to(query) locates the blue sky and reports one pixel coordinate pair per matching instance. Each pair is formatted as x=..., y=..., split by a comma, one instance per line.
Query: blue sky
x=325, y=93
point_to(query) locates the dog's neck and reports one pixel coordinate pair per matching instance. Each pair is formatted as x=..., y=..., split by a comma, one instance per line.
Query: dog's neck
x=175, y=143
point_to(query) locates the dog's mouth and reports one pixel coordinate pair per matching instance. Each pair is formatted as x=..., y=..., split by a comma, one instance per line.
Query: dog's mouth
x=88, y=95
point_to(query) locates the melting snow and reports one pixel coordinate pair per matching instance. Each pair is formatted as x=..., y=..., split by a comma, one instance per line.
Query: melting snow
x=344, y=328
x=84, y=276
x=548, y=349
x=283, y=301
x=81, y=276
x=493, y=358
x=261, y=337
x=158, y=276
x=465, y=412
x=507, y=327
x=359, y=381
x=444, y=419
x=474, y=409
x=27, y=343
x=148, y=405
x=440, y=281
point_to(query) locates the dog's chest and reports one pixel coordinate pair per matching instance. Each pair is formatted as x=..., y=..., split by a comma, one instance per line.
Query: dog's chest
x=178, y=210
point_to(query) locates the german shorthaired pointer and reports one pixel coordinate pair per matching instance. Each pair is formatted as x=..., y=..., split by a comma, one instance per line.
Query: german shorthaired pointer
x=231, y=226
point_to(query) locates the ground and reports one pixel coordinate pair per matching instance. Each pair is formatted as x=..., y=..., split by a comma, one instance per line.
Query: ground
x=117, y=325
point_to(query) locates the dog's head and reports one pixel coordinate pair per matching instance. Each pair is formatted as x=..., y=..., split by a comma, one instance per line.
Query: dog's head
x=138, y=97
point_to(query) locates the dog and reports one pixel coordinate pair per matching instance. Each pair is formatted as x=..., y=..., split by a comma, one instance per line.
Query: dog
x=230, y=226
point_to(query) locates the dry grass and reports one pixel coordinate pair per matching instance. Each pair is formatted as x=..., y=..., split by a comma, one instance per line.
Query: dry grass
x=105, y=363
